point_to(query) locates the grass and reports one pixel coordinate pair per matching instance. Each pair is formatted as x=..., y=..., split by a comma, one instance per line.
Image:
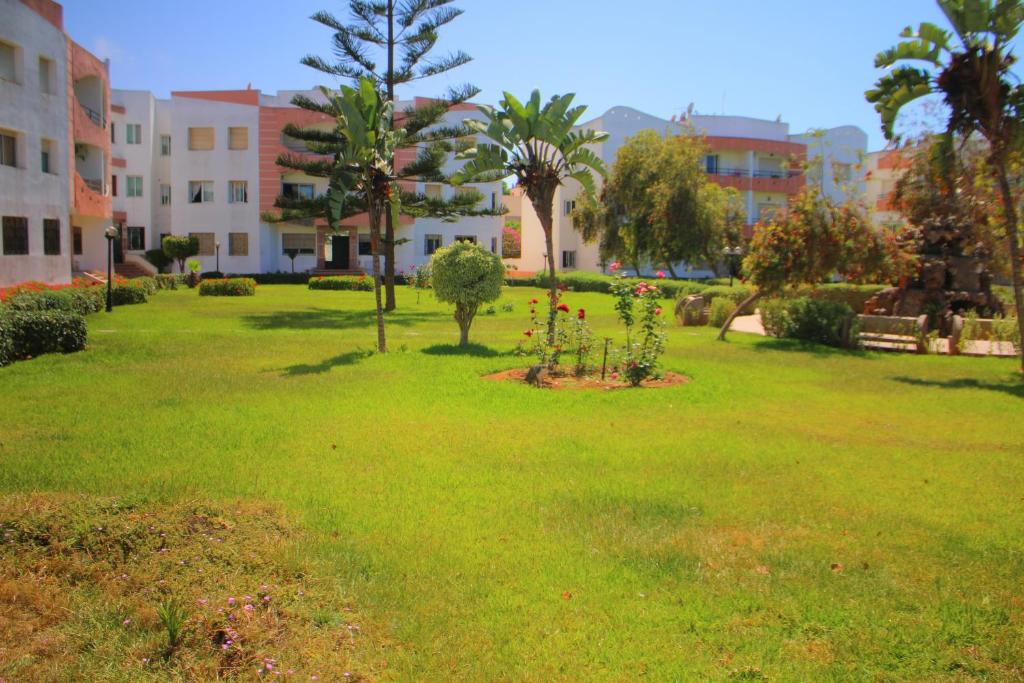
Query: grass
x=794, y=513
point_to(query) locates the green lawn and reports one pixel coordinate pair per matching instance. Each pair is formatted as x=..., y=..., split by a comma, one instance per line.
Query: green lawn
x=493, y=531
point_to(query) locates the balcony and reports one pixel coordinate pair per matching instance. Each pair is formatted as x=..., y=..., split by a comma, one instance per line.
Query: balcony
x=94, y=116
x=789, y=181
x=92, y=197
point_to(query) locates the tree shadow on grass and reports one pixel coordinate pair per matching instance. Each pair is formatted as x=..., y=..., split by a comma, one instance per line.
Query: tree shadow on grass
x=347, y=358
x=776, y=344
x=330, y=319
x=1013, y=387
x=474, y=350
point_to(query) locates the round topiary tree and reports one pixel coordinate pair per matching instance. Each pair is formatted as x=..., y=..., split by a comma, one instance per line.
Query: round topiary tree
x=467, y=275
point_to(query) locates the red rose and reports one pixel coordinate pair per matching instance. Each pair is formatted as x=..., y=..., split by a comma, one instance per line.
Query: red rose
x=581, y=314
x=528, y=333
x=563, y=307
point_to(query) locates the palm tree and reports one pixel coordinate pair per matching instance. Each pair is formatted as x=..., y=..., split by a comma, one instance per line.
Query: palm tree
x=539, y=147
x=973, y=75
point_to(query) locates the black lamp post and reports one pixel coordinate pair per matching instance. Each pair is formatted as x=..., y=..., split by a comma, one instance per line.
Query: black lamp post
x=732, y=253
x=217, y=248
x=111, y=234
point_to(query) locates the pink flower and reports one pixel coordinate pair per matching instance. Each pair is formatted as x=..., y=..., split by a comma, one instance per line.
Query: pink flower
x=231, y=602
x=126, y=622
x=615, y=265
x=657, y=311
x=614, y=375
x=660, y=274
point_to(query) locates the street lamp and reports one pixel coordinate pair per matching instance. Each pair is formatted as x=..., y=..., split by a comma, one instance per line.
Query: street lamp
x=733, y=254
x=111, y=235
x=217, y=247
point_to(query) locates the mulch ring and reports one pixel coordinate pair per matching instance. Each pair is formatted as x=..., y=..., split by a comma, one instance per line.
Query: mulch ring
x=571, y=382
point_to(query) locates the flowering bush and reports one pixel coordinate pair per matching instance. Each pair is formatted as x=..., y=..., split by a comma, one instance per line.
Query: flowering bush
x=236, y=286
x=573, y=337
x=640, y=311
x=418, y=278
x=348, y=283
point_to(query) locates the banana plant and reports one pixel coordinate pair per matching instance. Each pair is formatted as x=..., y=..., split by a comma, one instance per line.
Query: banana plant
x=971, y=68
x=540, y=148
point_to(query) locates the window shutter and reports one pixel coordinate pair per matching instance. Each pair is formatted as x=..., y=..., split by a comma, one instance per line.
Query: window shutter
x=200, y=138
x=205, y=242
x=238, y=244
x=238, y=138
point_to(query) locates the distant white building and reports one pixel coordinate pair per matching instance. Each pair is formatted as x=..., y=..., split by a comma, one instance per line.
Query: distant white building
x=759, y=158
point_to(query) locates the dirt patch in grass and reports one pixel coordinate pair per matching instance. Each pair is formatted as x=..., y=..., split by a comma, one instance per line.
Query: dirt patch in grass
x=92, y=589
x=571, y=382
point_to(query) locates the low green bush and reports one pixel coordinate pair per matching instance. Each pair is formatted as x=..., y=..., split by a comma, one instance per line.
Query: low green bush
x=279, y=278
x=806, y=319
x=854, y=296
x=736, y=294
x=27, y=334
x=721, y=309
x=351, y=283
x=148, y=284
x=126, y=293
x=159, y=259
x=235, y=286
x=169, y=281
x=81, y=300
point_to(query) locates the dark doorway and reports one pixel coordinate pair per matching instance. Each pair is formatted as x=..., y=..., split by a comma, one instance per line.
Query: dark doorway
x=339, y=253
x=119, y=244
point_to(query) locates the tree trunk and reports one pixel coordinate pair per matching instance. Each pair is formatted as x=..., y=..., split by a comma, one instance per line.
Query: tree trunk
x=389, y=223
x=465, y=318
x=732, y=316
x=636, y=267
x=1010, y=211
x=543, y=199
x=374, y=217
x=671, y=270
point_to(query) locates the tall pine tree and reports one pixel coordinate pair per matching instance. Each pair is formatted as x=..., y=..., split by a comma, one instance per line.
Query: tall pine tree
x=388, y=41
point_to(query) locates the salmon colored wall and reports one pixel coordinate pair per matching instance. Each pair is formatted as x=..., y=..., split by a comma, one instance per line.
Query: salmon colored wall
x=118, y=163
x=83, y=63
x=47, y=9
x=729, y=144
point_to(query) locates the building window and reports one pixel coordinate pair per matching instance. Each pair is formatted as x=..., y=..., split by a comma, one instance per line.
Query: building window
x=431, y=243
x=8, y=149
x=200, y=139
x=165, y=145
x=113, y=185
x=238, y=244
x=165, y=195
x=494, y=245
x=365, y=245
x=238, y=191
x=134, y=186
x=304, y=243
x=200, y=191
x=136, y=238
x=46, y=76
x=15, y=230
x=711, y=164
x=206, y=242
x=76, y=241
x=432, y=190
x=238, y=138
x=47, y=159
x=570, y=204
x=494, y=201
x=568, y=259
x=51, y=237
x=297, y=190
x=113, y=133
x=466, y=238
x=9, y=62
x=133, y=133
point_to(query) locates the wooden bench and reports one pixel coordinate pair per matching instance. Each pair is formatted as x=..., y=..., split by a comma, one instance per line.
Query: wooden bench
x=893, y=333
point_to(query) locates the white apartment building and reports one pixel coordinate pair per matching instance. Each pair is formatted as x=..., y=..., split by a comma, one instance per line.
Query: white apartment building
x=204, y=163
x=759, y=158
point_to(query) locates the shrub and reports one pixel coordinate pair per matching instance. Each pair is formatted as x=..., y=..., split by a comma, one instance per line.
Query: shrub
x=639, y=357
x=168, y=281
x=806, y=319
x=27, y=334
x=467, y=275
x=348, y=283
x=159, y=259
x=83, y=300
x=721, y=309
x=278, y=278
x=854, y=296
x=735, y=294
x=125, y=293
x=236, y=286
x=146, y=283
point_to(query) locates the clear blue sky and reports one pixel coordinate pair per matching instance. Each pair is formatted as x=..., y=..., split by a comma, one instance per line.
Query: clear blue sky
x=806, y=60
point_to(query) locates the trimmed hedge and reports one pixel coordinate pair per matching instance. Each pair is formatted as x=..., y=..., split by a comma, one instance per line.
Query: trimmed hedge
x=350, y=283
x=236, y=286
x=81, y=300
x=579, y=281
x=278, y=278
x=125, y=293
x=807, y=319
x=721, y=309
x=27, y=334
